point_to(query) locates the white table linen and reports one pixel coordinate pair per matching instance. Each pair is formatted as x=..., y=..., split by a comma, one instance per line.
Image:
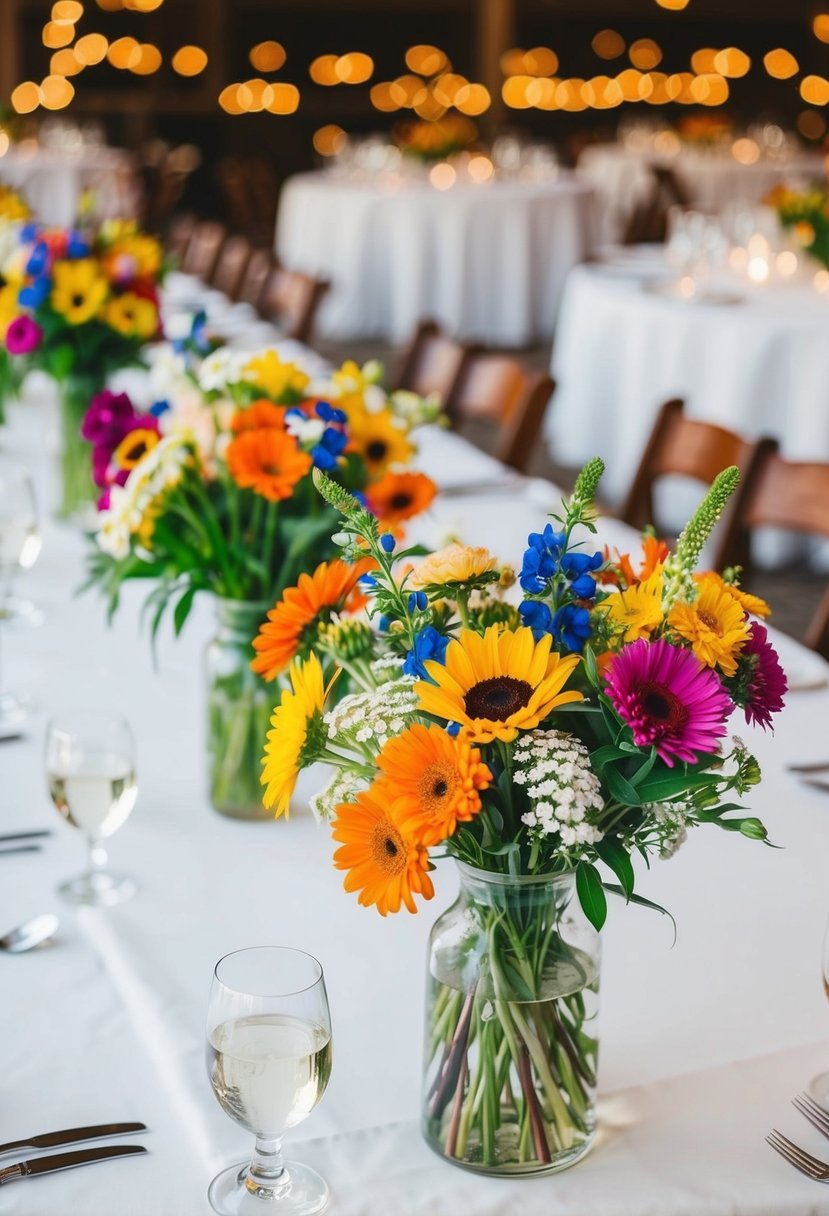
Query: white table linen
x=486, y=261
x=702, y=1044
x=53, y=181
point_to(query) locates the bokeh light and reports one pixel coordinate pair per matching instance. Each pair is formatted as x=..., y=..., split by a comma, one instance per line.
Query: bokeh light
x=284, y=98
x=329, y=140
x=65, y=63
x=56, y=92
x=731, y=61
x=811, y=124
x=26, y=97
x=382, y=99
x=56, y=36
x=426, y=60
x=91, y=49
x=480, y=169
x=645, y=54
x=780, y=63
x=820, y=27
x=67, y=11
x=815, y=90
x=354, y=68
x=675, y=6
x=268, y=56
x=608, y=44
x=445, y=89
x=703, y=60
x=124, y=53
x=189, y=60
x=745, y=151
x=149, y=60
x=472, y=99
x=442, y=176
x=323, y=70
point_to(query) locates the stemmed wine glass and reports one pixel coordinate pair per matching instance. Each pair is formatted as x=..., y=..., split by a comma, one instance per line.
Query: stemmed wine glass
x=819, y=1087
x=90, y=765
x=269, y=1060
x=19, y=541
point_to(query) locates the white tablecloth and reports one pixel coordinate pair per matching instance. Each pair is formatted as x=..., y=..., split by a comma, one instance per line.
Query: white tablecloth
x=703, y=1044
x=488, y=262
x=53, y=181
x=712, y=178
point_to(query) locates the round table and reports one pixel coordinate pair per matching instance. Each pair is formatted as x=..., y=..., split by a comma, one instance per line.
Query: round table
x=486, y=261
x=53, y=180
x=712, y=177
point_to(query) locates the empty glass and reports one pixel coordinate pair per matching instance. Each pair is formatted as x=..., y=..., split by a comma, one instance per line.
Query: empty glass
x=268, y=1060
x=819, y=1088
x=90, y=765
x=19, y=541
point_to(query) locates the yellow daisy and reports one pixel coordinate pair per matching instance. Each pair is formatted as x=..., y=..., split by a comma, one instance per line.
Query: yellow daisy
x=750, y=603
x=454, y=564
x=638, y=610
x=9, y=308
x=79, y=289
x=132, y=316
x=275, y=378
x=134, y=447
x=715, y=625
x=377, y=437
x=296, y=736
x=134, y=256
x=498, y=684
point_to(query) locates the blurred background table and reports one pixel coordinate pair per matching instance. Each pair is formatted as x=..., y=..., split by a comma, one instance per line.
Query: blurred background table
x=55, y=180
x=488, y=261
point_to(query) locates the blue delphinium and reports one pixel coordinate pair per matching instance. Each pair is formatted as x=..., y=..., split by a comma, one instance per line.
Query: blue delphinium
x=577, y=567
x=538, y=617
x=571, y=625
x=35, y=293
x=428, y=644
x=541, y=558
x=331, y=444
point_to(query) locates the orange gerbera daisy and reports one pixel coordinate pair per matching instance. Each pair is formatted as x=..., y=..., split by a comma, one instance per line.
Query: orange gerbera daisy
x=292, y=623
x=259, y=415
x=399, y=496
x=654, y=553
x=268, y=462
x=433, y=781
x=385, y=863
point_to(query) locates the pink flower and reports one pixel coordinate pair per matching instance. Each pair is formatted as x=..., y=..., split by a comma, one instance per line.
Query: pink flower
x=23, y=336
x=668, y=699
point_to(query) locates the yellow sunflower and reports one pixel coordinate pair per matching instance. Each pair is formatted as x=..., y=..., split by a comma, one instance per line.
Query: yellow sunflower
x=296, y=735
x=9, y=308
x=498, y=684
x=378, y=438
x=384, y=861
x=79, y=289
x=751, y=603
x=273, y=377
x=134, y=256
x=454, y=564
x=638, y=610
x=134, y=447
x=131, y=316
x=715, y=625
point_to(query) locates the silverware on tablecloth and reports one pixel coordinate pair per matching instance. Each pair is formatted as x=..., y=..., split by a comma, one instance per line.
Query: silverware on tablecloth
x=19, y=939
x=67, y=1161
x=816, y=1115
x=801, y=1160
x=470, y=488
x=74, y=1135
x=816, y=766
x=37, y=834
x=20, y=848
x=814, y=784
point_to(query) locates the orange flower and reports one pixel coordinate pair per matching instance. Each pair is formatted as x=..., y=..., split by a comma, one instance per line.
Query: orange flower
x=292, y=623
x=384, y=862
x=259, y=415
x=399, y=496
x=750, y=603
x=433, y=781
x=654, y=553
x=268, y=462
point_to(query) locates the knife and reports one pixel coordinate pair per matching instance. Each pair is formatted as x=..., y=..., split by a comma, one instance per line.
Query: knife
x=815, y=785
x=9, y=836
x=820, y=766
x=67, y=1161
x=74, y=1135
x=20, y=848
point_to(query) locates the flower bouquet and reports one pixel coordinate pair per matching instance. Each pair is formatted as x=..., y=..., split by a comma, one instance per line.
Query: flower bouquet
x=80, y=306
x=543, y=747
x=705, y=130
x=14, y=212
x=211, y=490
x=435, y=140
x=806, y=213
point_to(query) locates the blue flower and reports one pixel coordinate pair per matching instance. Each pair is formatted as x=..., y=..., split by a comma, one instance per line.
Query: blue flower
x=328, y=413
x=367, y=581
x=36, y=293
x=571, y=625
x=388, y=542
x=428, y=644
x=77, y=246
x=158, y=408
x=536, y=616
x=29, y=232
x=322, y=458
x=38, y=260
x=418, y=599
x=384, y=623
x=453, y=728
x=541, y=559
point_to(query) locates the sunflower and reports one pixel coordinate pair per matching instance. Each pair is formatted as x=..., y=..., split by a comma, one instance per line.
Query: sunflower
x=9, y=309
x=385, y=863
x=134, y=256
x=268, y=462
x=750, y=603
x=276, y=379
x=637, y=611
x=259, y=415
x=378, y=439
x=453, y=565
x=292, y=624
x=399, y=496
x=497, y=684
x=132, y=316
x=433, y=781
x=715, y=625
x=78, y=290
x=297, y=734
x=134, y=447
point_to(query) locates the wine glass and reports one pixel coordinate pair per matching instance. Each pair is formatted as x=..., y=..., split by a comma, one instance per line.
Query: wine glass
x=90, y=764
x=269, y=1060
x=819, y=1087
x=19, y=541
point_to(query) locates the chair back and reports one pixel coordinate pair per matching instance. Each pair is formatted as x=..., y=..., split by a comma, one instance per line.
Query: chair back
x=649, y=219
x=499, y=389
x=260, y=264
x=231, y=265
x=293, y=299
x=432, y=363
x=179, y=233
x=203, y=249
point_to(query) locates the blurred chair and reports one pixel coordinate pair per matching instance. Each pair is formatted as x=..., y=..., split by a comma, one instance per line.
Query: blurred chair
x=179, y=233
x=648, y=221
x=499, y=389
x=685, y=447
x=231, y=265
x=169, y=175
x=432, y=363
x=292, y=298
x=257, y=271
x=780, y=493
x=203, y=250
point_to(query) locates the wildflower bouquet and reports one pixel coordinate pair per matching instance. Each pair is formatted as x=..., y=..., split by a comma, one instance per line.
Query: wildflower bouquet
x=435, y=140
x=543, y=747
x=13, y=214
x=211, y=491
x=80, y=306
x=806, y=213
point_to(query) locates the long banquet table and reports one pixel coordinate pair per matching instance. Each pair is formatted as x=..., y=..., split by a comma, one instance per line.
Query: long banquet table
x=53, y=180
x=702, y=1044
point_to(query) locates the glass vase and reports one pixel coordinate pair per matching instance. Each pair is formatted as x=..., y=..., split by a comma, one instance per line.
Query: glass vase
x=510, y=1044
x=78, y=491
x=239, y=705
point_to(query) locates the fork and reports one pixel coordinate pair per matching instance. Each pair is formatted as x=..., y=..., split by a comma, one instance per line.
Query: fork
x=815, y=1113
x=803, y=1161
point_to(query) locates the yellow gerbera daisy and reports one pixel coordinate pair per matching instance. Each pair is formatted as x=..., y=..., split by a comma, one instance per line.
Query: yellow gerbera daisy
x=295, y=737
x=274, y=377
x=498, y=684
x=79, y=289
x=132, y=316
x=715, y=625
x=134, y=447
x=9, y=308
x=750, y=603
x=378, y=438
x=638, y=610
x=135, y=256
x=454, y=564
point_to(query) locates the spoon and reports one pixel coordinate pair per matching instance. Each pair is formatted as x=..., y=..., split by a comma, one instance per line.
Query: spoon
x=30, y=934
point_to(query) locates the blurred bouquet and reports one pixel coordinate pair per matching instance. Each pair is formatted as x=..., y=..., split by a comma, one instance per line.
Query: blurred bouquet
x=704, y=130
x=806, y=213
x=534, y=744
x=434, y=140
x=211, y=490
x=79, y=306
x=14, y=212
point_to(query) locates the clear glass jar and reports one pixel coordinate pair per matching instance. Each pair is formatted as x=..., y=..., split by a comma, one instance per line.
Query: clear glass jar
x=239, y=705
x=510, y=1045
x=78, y=491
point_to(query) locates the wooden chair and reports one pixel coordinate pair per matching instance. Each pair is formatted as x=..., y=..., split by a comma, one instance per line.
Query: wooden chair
x=179, y=234
x=648, y=221
x=780, y=493
x=292, y=298
x=499, y=389
x=203, y=250
x=433, y=363
x=257, y=271
x=231, y=265
x=685, y=447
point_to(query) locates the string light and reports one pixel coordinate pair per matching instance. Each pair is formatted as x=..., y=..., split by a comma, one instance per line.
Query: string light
x=57, y=35
x=323, y=70
x=644, y=53
x=65, y=63
x=811, y=125
x=780, y=64
x=702, y=61
x=267, y=56
x=354, y=68
x=67, y=11
x=820, y=27
x=56, y=92
x=607, y=44
x=329, y=140
x=189, y=60
x=426, y=60
x=149, y=60
x=473, y=99
x=731, y=62
x=815, y=90
x=26, y=97
x=675, y=6
x=124, y=53
x=91, y=49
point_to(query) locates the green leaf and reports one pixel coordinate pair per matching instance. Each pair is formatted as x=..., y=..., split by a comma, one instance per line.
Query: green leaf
x=620, y=788
x=644, y=770
x=668, y=785
x=604, y=755
x=642, y=902
x=591, y=667
x=591, y=894
x=616, y=857
x=182, y=609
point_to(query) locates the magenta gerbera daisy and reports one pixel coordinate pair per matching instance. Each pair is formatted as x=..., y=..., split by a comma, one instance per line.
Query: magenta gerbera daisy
x=761, y=679
x=668, y=699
